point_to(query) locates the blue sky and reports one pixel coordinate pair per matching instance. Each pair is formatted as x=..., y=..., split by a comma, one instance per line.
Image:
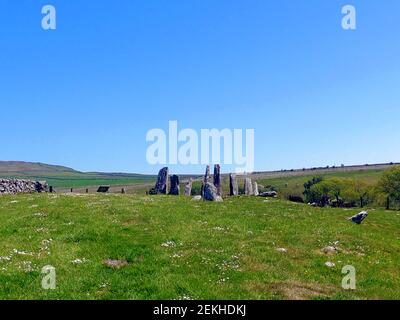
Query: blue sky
x=85, y=94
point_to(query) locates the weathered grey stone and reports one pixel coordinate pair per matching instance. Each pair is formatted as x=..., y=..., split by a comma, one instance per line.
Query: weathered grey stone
x=255, y=189
x=210, y=193
x=162, y=181
x=174, y=189
x=217, y=179
x=329, y=250
x=196, y=198
x=268, y=194
x=188, y=187
x=205, y=179
x=359, y=218
x=248, y=187
x=233, y=186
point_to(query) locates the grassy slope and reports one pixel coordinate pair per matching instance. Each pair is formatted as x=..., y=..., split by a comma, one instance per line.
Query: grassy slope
x=224, y=250
x=294, y=184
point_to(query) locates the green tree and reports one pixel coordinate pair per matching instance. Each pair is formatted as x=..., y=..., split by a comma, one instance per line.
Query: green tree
x=390, y=184
x=361, y=191
x=308, y=194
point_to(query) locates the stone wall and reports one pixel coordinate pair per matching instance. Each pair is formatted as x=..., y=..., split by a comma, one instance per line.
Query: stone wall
x=21, y=186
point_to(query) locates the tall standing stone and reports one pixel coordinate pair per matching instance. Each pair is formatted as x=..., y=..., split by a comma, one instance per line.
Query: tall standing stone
x=217, y=179
x=248, y=187
x=233, y=187
x=188, y=187
x=174, y=188
x=255, y=189
x=162, y=181
x=205, y=180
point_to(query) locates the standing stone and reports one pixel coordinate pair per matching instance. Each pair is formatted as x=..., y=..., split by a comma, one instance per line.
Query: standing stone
x=51, y=189
x=123, y=191
x=248, y=187
x=174, y=188
x=205, y=180
x=233, y=187
x=255, y=189
x=217, y=179
x=87, y=190
x=210, y=193
x=72, y=190
x=162, y=181
x=188, y=187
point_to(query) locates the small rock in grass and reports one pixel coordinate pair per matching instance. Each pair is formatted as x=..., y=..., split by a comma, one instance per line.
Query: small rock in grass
x=168, y=244
x=78, y=261
x=115, y=264
x=196, y=198
x=283, y=250
x=329, y=250
x=329, y=264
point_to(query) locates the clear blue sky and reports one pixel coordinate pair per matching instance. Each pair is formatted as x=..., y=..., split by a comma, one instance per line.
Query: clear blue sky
x=86, y=94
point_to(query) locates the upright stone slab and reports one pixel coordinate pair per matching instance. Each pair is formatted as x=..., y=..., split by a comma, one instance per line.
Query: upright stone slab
x=205, y=180
x=188, y=187
x=217, y=179
x=162, y=181
x=248, y=187
x=210, y=193
x=233, y=187
x=174, y=188
x=255, y=189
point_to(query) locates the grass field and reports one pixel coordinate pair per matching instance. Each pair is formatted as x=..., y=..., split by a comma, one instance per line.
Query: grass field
x=80, y=180
x=176, y=248
x=64, y=177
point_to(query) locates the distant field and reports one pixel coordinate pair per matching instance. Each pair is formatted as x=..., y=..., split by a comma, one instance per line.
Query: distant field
x=175, y=248
x=73, y=180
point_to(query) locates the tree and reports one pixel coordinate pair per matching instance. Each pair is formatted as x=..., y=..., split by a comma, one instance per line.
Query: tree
x=307, y=189
x=362, y=191
x=390, y=184
x=334, y=191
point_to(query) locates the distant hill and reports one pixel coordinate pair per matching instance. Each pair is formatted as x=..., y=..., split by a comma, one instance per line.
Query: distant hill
x=65, y=177
x=22, y=167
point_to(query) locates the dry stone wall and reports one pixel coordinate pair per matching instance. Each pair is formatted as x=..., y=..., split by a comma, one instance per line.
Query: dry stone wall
x=12, y=186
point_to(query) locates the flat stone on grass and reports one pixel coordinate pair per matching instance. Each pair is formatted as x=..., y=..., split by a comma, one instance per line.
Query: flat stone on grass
x=115, y=264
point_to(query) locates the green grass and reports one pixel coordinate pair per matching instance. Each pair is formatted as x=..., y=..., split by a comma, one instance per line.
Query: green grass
x=222, y=250
x=76, y=180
